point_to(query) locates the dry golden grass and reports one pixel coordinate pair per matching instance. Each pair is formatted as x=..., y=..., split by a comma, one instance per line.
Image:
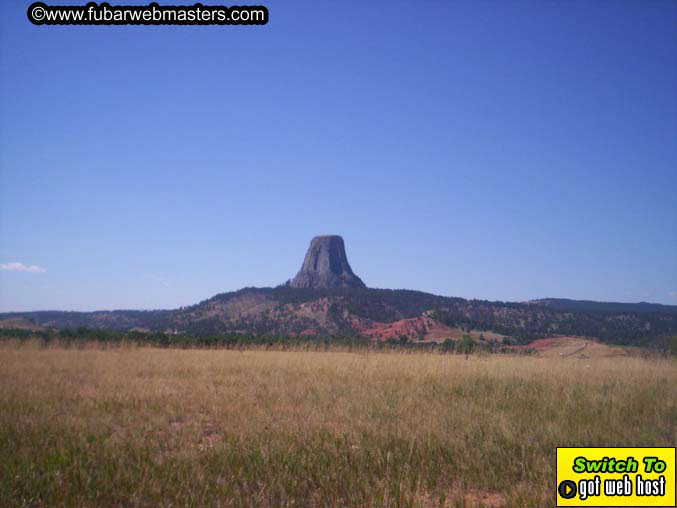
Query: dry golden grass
x=158, y=427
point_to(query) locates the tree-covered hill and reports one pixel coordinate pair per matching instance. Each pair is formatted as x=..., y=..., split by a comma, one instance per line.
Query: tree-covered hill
x=355, y=311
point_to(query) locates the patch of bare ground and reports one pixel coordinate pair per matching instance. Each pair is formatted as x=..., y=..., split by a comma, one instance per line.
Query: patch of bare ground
x=484, y=499
x=578, y=347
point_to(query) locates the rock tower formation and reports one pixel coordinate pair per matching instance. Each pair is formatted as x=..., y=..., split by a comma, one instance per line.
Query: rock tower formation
x=326, y=266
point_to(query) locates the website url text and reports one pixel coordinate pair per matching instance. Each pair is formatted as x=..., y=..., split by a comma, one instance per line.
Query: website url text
x=92, y=13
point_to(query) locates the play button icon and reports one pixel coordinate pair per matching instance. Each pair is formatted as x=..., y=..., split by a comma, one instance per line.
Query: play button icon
x=567, y=489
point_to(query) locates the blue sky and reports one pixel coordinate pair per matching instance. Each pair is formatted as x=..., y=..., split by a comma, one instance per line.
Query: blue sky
x=483, y=149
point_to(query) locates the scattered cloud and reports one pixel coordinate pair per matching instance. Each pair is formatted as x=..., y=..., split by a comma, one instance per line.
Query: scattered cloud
x=673, y=294
x=20, y=267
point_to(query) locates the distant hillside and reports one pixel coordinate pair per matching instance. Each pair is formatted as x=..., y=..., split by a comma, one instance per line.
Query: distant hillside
x=19, y=323
x=565, y=304
x=383, y=313
x=113, y=320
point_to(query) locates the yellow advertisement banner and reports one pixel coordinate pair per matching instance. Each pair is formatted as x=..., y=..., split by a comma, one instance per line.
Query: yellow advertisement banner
x=616, y=477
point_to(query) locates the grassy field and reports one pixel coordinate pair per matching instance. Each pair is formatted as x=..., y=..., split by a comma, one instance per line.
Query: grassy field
x=134, y=426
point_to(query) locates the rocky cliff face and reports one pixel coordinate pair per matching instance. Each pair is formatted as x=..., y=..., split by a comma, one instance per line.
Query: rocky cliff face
x=326, y=266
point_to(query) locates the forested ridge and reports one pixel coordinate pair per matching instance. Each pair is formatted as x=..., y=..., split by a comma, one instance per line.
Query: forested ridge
x=335, y=312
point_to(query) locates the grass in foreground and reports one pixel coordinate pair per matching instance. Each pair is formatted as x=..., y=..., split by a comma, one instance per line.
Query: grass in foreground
x=158, y=427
